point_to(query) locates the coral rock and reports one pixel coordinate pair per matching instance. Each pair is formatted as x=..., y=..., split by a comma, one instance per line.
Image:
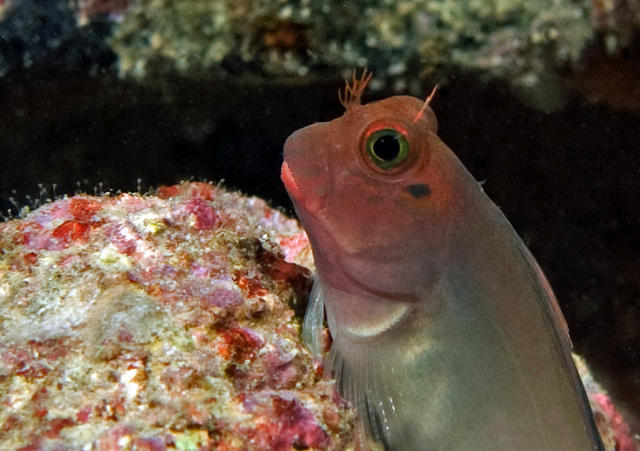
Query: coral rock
x=159, y=322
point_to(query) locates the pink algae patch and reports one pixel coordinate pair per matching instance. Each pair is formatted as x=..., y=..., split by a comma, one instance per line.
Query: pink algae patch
x=297, y=425
x=239, y=344
x=34, y=359
x=83, y=414
x=112, y=439
x=60, y=224
x=83, y=209
x=196, y=210
x=70, y=231
x=293, y=245
x=165, y=192
x=621, y=431
x=157, y=321
x=56, y=425
x=222, y=298
x=205, y=217
x=194, y=190
x=125, y=243
x=250, y=285
x=149, y=444
x=289, y=425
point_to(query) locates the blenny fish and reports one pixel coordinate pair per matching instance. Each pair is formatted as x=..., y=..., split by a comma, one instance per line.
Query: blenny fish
x=446, y=334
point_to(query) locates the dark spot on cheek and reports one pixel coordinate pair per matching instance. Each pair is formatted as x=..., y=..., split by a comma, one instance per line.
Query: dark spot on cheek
x=418, y=190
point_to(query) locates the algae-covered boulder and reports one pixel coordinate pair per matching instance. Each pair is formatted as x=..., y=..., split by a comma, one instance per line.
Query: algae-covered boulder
x=159, y=322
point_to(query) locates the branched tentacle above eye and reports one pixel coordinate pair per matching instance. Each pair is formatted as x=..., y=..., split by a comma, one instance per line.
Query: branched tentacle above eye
x=353, y=89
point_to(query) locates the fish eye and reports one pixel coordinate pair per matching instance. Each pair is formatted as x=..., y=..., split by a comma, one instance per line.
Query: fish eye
x=387, y=148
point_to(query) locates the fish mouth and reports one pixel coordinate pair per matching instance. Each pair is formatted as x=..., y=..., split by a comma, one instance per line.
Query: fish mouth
x=309, y=193
x=290, y=182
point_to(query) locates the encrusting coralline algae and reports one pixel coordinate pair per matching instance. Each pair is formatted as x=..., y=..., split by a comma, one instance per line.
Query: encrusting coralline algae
x=159, y=322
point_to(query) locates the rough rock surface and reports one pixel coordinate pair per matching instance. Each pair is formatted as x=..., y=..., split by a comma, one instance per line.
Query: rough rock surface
x=155, y=322
x=404, y=41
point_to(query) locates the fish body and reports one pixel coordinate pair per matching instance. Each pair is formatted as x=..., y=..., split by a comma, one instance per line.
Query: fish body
x=446, y=334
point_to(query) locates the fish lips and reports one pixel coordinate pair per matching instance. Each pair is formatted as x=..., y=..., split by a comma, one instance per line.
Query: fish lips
x=304, y=175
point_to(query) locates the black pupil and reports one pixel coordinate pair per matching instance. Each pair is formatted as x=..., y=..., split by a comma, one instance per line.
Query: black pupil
x=386, y=147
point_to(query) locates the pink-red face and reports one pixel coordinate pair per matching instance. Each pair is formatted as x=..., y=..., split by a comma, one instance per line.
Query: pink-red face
x=374, y=191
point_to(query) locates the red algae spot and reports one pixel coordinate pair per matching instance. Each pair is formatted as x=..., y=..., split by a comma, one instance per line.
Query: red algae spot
x=39, y=398
x=38, y=402
x=282, y=373
x=298, y=277
x=285, y=271
x=83, y=209
x=290, y=425
x=180, y=378
x=124, y=246
x=32, y=235
x=70, y=231
x=297, y=426
x=279, y=269
x=202, y=191
x=165, y=192
x=292, y=245
x=23, y=363
x=198, y=416
x=253, y=287
x=238, y=376
x=110, y=441
x=210, y=264
x=223, y=298
x=51, y=349
x=203, y=215
x=197, y=190
x=239, y=344
x=332, y=419
x=149, y=444
x=318, y=368
x=122, y=238
x=40, y=412
x=34, y=446
x=30, y=258
x=10, y=423
x=37, y=235
x=125, y=336
x=56, y=425
x=83, y=414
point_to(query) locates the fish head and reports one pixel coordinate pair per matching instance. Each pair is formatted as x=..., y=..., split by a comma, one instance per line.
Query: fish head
x=374, y=190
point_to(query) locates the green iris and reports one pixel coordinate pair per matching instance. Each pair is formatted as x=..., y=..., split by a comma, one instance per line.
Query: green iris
x=387, y=148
